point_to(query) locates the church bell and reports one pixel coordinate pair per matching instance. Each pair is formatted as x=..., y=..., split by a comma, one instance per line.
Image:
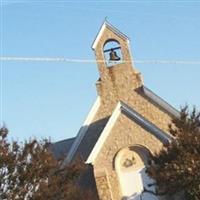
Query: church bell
x=114, y=56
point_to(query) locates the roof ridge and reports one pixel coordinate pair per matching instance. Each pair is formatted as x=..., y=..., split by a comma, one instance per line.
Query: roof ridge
x=160, y=101
x=112, y=28
x=72, y=138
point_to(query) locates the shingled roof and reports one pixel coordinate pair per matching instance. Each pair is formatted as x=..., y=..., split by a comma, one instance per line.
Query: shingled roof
x=61, y=148
x=89, y=140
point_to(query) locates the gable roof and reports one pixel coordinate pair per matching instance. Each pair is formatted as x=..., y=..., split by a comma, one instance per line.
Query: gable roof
x=146, y=124
x=90, y=138
x=105, y=25
x=83, y=130
x=60, y=149
x=136, y=117
x=159, y=101
x=91, y=132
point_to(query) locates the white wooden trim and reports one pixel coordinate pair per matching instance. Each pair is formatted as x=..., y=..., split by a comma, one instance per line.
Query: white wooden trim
x=99, y=35
x=82, y=131
x=112, y=28
x=104, y=134
x=120, y=108
x=92, y=112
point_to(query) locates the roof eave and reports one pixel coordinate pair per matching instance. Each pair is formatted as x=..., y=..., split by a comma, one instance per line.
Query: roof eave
x=105, y=25
x=121, y=107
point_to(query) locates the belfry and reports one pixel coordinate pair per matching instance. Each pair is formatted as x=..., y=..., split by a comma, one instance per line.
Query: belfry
x=126, y=125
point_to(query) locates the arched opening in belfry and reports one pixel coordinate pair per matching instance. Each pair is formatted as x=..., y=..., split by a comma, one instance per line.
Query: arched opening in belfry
x=112, y=52
x=130, y=165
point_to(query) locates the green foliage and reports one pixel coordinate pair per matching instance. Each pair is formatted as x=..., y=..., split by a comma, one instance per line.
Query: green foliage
x=177, y=167
x=29, y=171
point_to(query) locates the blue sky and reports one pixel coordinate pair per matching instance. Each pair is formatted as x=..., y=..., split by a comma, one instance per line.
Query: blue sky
x=52, y=99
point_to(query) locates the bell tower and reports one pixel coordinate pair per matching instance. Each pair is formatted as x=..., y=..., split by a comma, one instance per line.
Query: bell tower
x=117, y=73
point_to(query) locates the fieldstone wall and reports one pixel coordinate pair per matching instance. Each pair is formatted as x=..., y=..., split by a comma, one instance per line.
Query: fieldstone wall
x=102, y=182
x=120, y=82
x=125, y=133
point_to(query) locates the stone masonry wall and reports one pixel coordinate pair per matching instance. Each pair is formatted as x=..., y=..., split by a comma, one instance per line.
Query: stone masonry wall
x=119, y=83
x=124, y=134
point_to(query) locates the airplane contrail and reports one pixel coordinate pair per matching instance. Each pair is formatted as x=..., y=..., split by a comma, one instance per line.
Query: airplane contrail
x=69, y=60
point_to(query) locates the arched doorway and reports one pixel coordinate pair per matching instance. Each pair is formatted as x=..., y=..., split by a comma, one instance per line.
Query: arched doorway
x=130, y=166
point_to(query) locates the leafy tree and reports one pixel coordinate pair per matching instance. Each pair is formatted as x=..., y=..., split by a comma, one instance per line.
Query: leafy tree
x=176, y=168
x=29, y=171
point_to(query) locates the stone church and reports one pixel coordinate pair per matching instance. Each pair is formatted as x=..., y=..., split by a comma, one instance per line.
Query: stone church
x=126, y=125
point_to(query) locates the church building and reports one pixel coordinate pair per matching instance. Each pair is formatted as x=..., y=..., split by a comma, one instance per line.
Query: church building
x=126, y=125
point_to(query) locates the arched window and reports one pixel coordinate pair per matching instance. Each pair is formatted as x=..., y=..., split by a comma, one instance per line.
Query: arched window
x=112, y=52
x=130, y=165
